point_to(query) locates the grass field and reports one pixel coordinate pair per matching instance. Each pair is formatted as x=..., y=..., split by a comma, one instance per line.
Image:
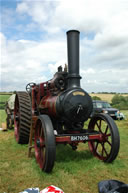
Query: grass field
x=3, y=99
x=74, y=171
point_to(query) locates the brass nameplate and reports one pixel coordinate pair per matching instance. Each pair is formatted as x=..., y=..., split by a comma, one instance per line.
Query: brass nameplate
x=78, y=93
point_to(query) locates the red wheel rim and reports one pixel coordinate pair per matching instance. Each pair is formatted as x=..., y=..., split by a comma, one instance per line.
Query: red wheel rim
x=16, y=119
x=101, y=149
x=40, y=149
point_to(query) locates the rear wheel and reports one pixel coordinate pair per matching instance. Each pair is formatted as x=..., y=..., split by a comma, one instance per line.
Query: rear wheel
x=108, y=147
x=45, y=147
x=22, y=117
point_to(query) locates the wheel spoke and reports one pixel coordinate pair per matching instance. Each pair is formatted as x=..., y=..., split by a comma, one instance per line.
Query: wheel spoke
x=41, y=138
x=104, y=150
x=95, y=149
x=108, y=135
x=42, y=142
x=38, y=133
x=106, y=130
x=99, y=126
x=41, y=132
x=109, y=143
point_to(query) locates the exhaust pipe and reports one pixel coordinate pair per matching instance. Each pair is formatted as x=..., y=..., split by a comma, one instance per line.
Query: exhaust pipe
x=73, y=58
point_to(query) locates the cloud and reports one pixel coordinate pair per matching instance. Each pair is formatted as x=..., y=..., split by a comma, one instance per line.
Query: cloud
x=86, y=15
x=35, y=57
x=41, y=12
x=112, y=80
x=26, y=61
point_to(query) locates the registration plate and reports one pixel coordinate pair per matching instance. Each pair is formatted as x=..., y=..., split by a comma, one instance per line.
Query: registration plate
x=79, y=138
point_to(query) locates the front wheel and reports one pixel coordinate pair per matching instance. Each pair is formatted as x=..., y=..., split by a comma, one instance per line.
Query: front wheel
x=45, y=147
x=107, y=149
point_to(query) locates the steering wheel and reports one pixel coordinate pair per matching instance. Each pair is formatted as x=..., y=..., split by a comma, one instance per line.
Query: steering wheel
x=29, y=86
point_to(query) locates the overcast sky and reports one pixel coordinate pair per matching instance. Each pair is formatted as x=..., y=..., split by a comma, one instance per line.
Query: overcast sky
x=33, y=42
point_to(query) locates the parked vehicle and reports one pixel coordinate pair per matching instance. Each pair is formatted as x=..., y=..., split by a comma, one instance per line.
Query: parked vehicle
x=105, y=107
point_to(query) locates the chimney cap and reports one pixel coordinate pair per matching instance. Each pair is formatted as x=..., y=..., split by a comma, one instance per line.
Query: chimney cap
x=73, y=31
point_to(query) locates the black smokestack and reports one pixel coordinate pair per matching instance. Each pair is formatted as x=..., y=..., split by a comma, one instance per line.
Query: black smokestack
x=73, y=58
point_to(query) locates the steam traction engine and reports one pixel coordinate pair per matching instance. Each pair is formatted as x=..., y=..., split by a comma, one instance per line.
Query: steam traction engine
x=57, y=110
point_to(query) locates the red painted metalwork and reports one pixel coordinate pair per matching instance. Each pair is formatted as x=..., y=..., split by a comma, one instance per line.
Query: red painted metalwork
x=40, y=147
x=49, y=103
x=33, y=101
x=34, y=119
